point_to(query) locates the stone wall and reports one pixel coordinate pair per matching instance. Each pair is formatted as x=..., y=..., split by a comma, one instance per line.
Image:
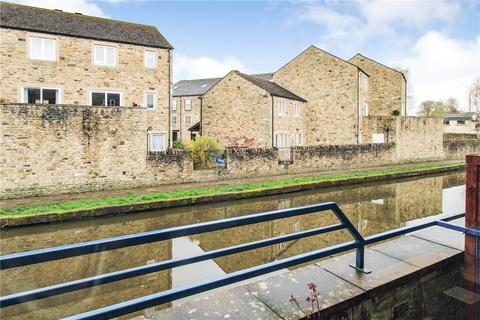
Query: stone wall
x=386, y=91
x=75, y=74
x=59, y=149
x=457, y=149
x=415, y=137
x=330, y=85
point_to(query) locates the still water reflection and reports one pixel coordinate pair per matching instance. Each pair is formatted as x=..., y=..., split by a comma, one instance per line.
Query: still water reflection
x=372, y=208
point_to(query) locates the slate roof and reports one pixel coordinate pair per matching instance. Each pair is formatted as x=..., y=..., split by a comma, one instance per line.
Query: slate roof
x=57, y=22
x=271, y=87
x=198, y=87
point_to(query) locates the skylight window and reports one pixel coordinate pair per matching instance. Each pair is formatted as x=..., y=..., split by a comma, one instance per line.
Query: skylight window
x=204, y=85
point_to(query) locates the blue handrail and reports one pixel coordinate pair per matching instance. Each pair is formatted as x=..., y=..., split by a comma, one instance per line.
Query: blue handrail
x=95, y=246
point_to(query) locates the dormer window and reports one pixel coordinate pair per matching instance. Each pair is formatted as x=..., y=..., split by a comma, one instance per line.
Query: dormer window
x=43, y=49
x=105, y=56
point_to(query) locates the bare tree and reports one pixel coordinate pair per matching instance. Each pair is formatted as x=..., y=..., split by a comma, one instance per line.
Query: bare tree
x=474, y=97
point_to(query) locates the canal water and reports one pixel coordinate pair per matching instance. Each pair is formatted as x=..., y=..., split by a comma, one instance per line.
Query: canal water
x=372, y=208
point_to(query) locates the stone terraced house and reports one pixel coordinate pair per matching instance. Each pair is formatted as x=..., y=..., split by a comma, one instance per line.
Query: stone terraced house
x=247, y=111
x=386, y=87
x=336, y=91
x=55, y=57
x=186, y=106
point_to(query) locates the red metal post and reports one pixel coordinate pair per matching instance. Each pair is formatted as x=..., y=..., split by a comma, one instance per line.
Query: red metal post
x=472, y=220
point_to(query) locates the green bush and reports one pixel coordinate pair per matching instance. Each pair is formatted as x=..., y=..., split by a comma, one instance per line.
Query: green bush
x=203, y=151
x=178, y=145
x=395, y=112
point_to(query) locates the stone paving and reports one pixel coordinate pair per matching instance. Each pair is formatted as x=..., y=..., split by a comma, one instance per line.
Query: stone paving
x=402, y=259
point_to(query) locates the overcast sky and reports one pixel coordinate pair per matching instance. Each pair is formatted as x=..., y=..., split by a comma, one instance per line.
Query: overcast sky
x=437, y=41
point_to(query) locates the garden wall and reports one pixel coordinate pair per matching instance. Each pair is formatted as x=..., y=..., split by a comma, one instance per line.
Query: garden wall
x=52, y=149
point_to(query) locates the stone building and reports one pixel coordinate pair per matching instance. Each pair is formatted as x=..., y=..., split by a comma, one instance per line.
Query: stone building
x=248, y=111
x=186, y=105
x=336, y=91
x=386, y=87
x=54, y=57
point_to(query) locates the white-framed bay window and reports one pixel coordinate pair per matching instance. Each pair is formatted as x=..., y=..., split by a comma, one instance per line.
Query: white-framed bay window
x=41, y=48
x=33, y=94
x=105, y=55
x=106, y=98
x=150, y=100
x=157, y=141
x=281, y=107
x=150, y=59
x=188, y=104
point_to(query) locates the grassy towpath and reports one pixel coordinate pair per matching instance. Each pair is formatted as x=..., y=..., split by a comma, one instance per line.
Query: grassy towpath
x=60, y=210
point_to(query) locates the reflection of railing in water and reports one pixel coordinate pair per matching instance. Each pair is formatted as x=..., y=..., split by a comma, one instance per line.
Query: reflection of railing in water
x=55, y=253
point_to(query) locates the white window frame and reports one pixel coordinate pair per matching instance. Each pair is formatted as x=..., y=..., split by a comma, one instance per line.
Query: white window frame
x=149, y=140
x=282, y=110
x=24, y=98
x=105, y=92
x=189, y=104
x=189, y=122
x=145, y=53
x=174, y=104
x=154, y=100
x=298, y=138
x=174, y=123
x=296, y=109
x=286, y=139
x=104, y=63
x=43, y=39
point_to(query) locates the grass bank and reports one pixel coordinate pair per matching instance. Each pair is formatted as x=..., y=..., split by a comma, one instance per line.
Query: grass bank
x=121, y=204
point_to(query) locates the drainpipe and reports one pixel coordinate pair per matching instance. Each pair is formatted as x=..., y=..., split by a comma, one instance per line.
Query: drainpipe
x=358, y=106
x=273, y=116
x=201, y=115
x=169, y=96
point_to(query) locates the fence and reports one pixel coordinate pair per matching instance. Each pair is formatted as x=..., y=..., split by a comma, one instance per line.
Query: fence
x=358, y=243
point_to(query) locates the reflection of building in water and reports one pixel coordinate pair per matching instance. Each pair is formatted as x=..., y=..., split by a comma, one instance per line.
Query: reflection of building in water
x=371, y=208
x=45, y=274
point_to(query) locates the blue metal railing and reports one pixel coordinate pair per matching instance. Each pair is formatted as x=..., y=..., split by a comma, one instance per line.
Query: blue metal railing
x=43, y=255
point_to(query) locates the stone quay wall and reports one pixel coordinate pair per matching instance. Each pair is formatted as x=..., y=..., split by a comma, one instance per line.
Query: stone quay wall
x=53, y=149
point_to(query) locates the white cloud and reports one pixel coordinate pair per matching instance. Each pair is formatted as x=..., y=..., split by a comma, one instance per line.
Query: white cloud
x=83, y=6
x=369, y=19
x=443, y=67
x=185, y=67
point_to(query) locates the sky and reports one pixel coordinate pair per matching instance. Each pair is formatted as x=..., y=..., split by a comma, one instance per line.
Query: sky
x=437, y=41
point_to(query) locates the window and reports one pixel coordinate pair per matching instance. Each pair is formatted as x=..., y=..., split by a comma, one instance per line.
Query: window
x=188, y=120
x=43, y=49
x=105, y=56
x=174, y=121
x=150, y=59
x=296, y=110
x=150, y=100
x=281, y=140
x=281, y=107
x=298, y=138
x=41, y=95
x=105, y=98
x=156, y=142
x=188, y=104
x=174, y=105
